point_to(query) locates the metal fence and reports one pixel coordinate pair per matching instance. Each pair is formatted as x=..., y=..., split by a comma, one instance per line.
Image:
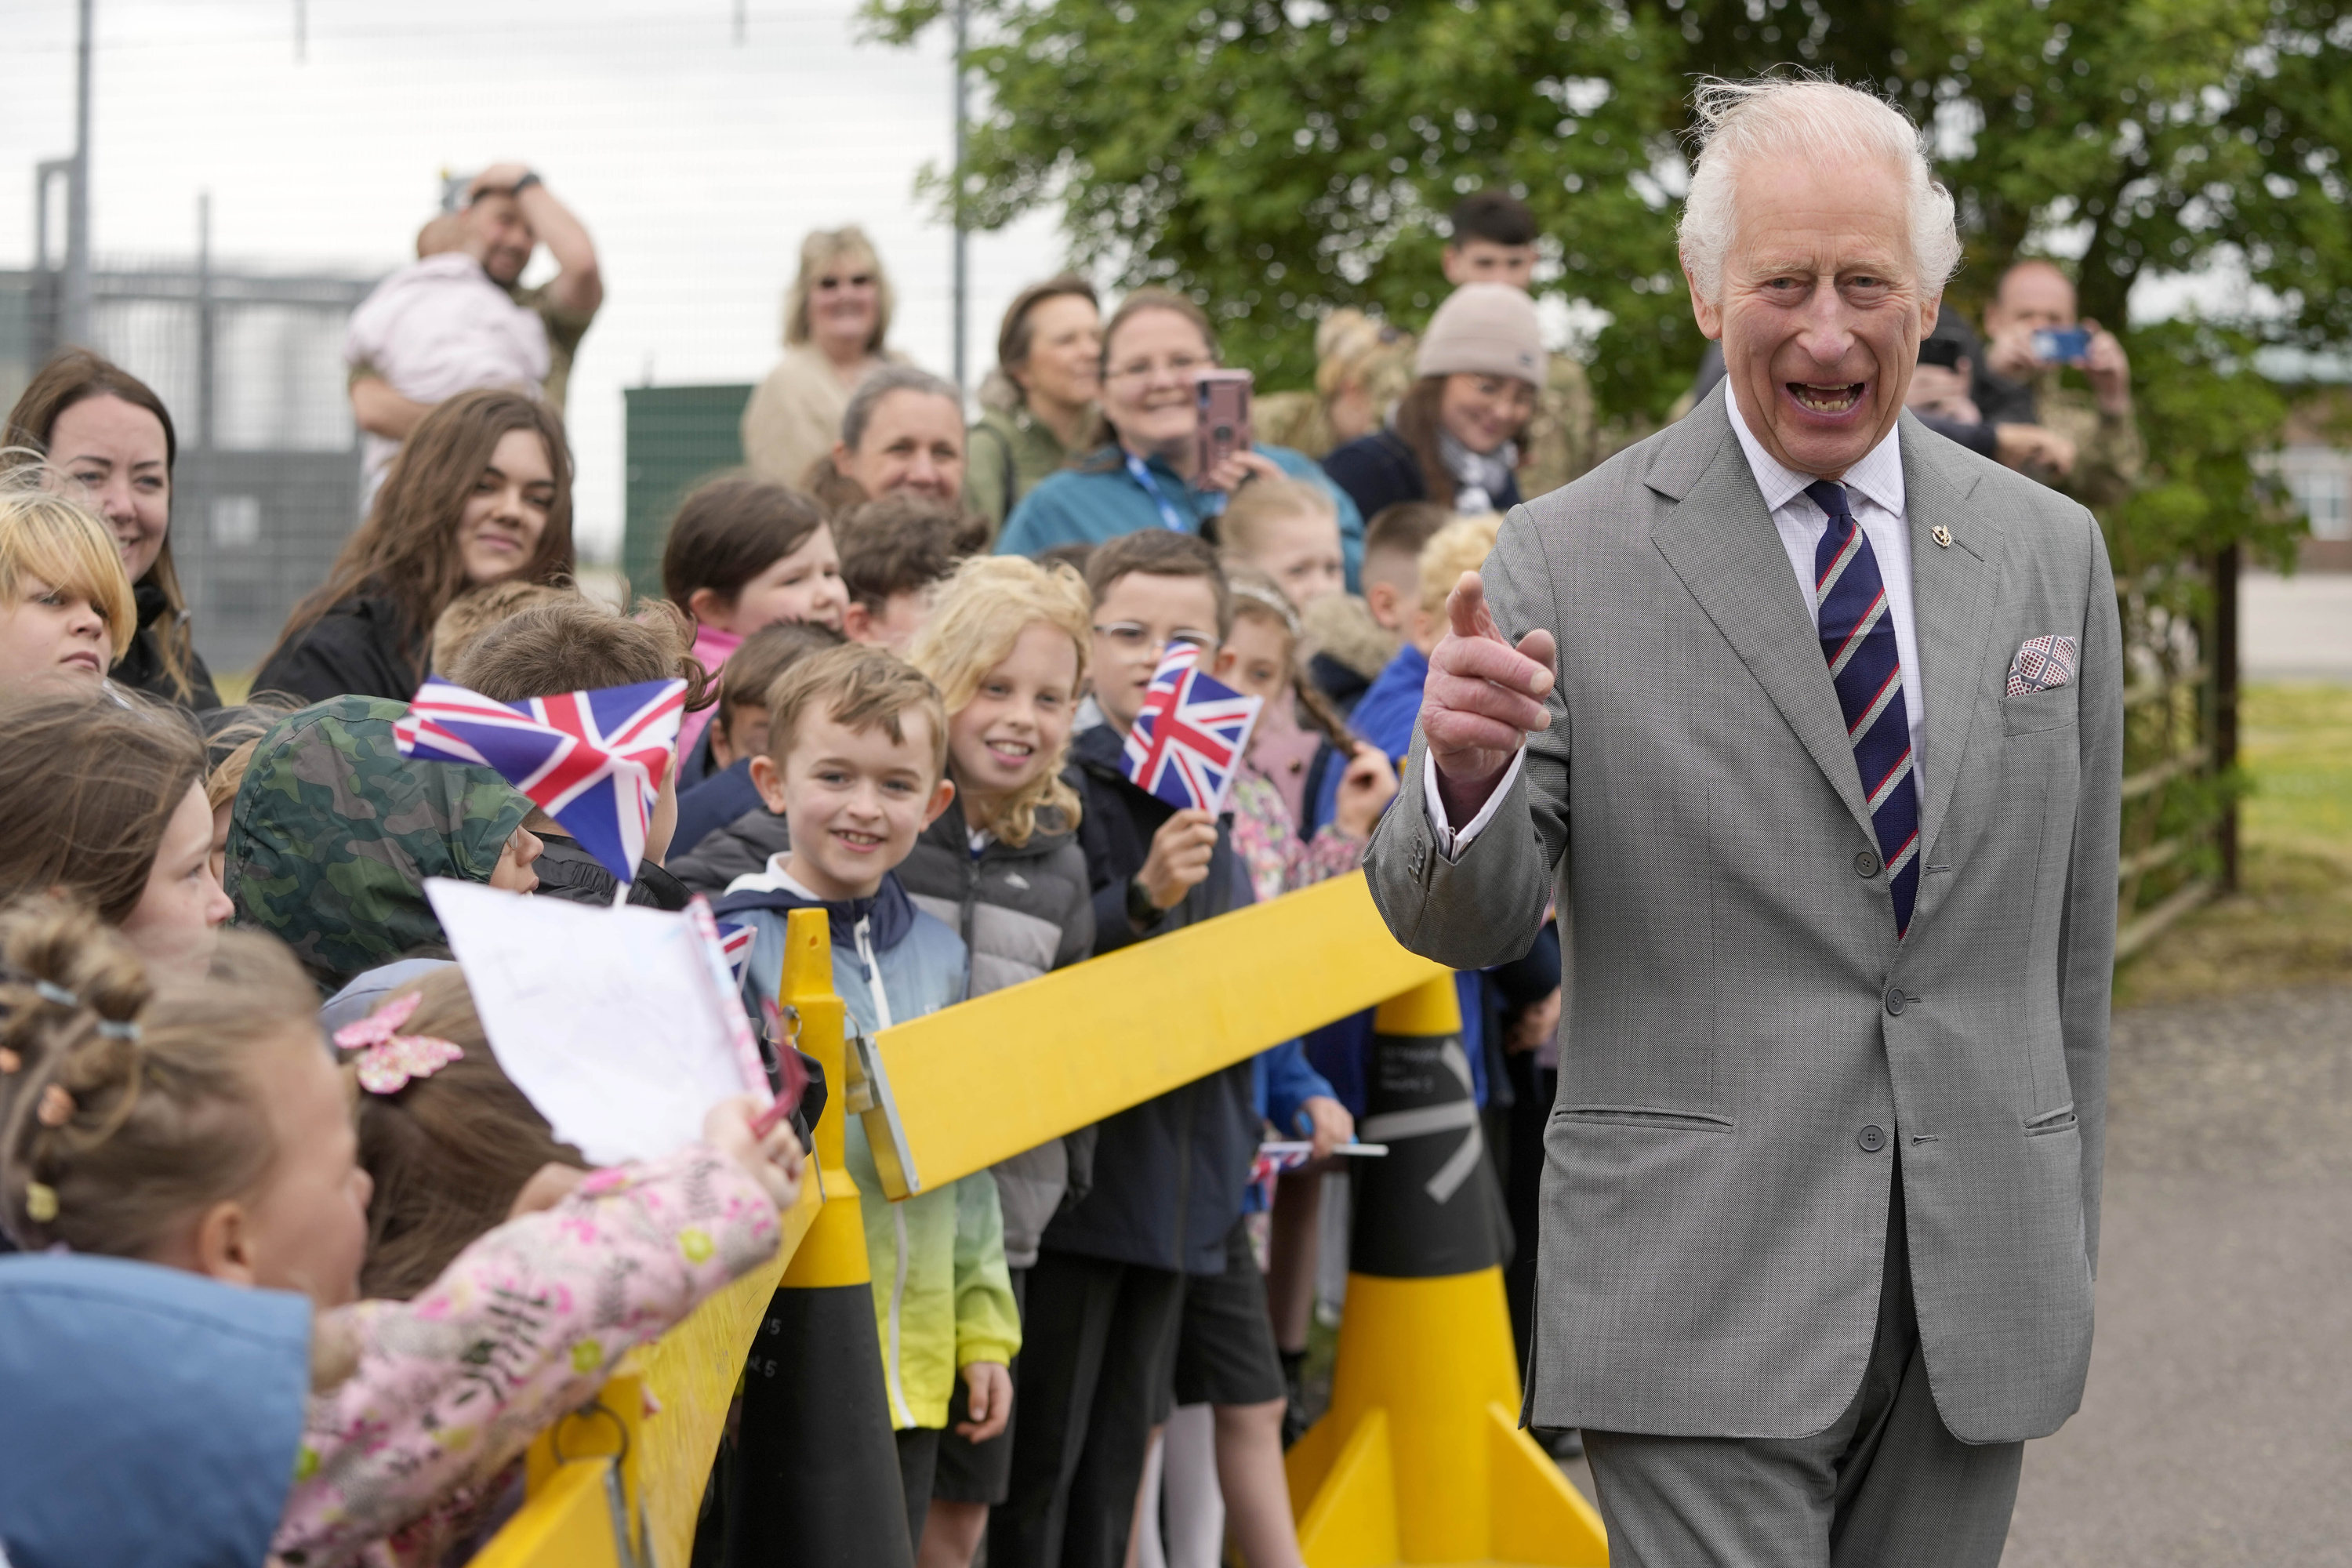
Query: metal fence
x=266, y=487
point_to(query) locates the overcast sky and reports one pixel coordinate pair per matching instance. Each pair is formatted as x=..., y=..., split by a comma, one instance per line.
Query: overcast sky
x=696, y=162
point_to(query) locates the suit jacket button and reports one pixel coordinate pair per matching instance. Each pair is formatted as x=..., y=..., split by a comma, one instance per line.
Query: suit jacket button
x=1896, y=1001
x=1873, y=1139
x=1865, y=864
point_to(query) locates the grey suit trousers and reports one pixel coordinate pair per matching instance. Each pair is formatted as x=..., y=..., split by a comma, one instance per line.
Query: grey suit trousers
x=1886, y=1485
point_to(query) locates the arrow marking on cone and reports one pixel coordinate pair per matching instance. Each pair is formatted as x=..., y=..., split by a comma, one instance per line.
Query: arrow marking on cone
x=1430, y=1119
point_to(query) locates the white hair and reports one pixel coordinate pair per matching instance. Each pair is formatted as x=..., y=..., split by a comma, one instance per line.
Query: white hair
x=1811, y=120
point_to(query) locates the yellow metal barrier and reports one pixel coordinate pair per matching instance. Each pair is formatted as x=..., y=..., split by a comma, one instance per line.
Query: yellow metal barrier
x=977, y=1083
x=951, y=1094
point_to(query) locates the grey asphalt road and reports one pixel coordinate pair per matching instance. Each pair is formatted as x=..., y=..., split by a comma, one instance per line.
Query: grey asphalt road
x=2217, y=1430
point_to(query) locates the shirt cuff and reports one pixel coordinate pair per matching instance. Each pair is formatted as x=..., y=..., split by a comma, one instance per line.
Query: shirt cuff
x=1450, y=843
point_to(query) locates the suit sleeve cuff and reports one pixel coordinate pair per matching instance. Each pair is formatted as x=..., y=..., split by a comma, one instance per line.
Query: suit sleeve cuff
x=1451, y=843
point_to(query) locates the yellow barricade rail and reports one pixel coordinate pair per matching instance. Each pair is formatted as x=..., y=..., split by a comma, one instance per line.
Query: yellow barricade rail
x=974, y=1084
x=943, y=1097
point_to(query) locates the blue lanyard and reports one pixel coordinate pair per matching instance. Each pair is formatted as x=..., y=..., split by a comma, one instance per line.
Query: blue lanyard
x=1167, y=513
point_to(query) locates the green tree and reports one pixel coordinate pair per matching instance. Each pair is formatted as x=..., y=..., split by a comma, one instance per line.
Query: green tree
x=1282, y=157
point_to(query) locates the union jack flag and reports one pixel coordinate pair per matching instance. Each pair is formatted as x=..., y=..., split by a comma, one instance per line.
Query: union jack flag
x=1188, y=739
x=735, y=941
x=592, y=759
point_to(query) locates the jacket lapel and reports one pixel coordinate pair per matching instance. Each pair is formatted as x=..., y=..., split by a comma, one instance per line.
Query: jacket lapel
x=1952, y=603
x=1721, y=543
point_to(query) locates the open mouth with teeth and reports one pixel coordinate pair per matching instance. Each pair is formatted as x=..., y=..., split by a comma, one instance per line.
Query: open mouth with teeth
x=1013, y=753
x=862, y=842
x=1817, y=399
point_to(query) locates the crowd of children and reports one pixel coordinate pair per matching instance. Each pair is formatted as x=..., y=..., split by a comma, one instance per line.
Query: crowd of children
x=1092, y=1348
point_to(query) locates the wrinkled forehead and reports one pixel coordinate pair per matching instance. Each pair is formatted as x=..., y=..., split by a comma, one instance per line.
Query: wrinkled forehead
x=1801, y=217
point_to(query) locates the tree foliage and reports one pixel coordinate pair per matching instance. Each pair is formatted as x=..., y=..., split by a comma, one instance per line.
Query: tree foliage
x=1282, y=157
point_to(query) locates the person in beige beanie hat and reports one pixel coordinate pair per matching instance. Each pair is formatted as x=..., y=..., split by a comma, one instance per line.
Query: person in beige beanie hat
x=1452, y=439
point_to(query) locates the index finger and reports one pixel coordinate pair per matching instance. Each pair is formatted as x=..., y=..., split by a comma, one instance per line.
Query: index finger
x=1465, y=609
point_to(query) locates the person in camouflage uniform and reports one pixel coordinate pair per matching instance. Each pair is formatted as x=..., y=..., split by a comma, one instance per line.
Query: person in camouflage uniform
x=334, y=832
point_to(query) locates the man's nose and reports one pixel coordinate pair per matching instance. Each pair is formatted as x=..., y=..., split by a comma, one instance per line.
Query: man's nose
x=1828, y=327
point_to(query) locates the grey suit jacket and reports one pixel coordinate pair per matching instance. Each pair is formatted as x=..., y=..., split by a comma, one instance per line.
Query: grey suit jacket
x=1739, y=1008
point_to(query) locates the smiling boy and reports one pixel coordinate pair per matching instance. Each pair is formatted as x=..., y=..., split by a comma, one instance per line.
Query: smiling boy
x=857, y=764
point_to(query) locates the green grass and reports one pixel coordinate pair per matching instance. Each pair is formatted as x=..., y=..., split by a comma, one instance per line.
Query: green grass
x=2290, y=923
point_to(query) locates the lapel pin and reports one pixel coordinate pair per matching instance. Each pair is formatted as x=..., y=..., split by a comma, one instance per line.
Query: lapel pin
x=1941, y=535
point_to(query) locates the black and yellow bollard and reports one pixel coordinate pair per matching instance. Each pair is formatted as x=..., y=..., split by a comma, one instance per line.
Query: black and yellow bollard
x=816, y=1466
x=1420, y=1458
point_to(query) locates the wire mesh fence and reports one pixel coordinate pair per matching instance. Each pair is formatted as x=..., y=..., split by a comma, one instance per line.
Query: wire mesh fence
x=266, y=486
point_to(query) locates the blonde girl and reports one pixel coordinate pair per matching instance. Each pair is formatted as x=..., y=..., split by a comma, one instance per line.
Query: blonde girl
x=66, y=607
x=1006, y=645
x=1290, y=530
x=201, y=1128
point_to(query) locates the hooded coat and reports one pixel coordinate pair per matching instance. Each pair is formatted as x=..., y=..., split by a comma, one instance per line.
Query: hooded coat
x=942, y=1299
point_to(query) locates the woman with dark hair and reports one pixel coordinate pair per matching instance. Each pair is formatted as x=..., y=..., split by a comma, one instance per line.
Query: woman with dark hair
x=480, y=493
x=1037, y=407
x=108, y=441
x=1156, y=348
x=1453, y=437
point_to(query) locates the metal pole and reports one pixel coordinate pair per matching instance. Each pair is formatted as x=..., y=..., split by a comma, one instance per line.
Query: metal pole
x=76, y=324
x=961, y=17
x=193, y=499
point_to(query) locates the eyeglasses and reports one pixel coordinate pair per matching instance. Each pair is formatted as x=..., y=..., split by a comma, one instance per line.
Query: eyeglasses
x=1183, y=365
x=854, y=280
x=1131, y=637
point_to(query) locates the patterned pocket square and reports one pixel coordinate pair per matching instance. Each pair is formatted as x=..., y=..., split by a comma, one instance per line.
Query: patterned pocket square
x=2041, y=665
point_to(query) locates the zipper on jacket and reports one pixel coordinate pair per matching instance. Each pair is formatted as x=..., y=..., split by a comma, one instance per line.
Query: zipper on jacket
x=902, y=1415
x=873, y=965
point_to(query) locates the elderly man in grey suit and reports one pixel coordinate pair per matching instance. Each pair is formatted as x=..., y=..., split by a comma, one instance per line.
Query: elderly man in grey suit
x=1813, y=721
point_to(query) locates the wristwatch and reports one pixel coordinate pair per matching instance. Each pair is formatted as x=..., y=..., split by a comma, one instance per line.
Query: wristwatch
x=531, y=177
x=1141, y=912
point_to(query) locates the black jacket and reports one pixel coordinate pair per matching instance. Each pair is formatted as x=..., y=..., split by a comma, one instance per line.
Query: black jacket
x=1379, y=470
x=738, y=849
x=1169, y=1173
x=363, y=647
x=706, y=807
x=1022, y=912
x=142, y=669
x=568, y=872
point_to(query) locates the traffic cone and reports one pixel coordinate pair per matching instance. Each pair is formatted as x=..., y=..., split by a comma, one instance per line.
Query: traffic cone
x=817, y=1466
x=1420, y=1458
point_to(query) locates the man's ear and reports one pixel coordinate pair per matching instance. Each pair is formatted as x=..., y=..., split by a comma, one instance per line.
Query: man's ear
x=858, y=623
x=1706, y=311
x=224, y=1242
x=1930, y=314
x=768, y=780
x=942, y=793
x=1449, y=261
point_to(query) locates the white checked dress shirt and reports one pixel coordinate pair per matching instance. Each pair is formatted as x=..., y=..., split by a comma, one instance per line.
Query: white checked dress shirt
x=1874, y=489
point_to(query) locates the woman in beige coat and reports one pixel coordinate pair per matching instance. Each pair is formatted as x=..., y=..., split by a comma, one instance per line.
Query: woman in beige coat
x=836, y=318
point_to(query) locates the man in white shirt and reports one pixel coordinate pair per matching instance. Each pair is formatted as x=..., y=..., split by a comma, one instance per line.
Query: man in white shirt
x=1813, y=726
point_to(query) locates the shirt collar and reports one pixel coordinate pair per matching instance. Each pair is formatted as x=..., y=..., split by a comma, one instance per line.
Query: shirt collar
x=1878, y=476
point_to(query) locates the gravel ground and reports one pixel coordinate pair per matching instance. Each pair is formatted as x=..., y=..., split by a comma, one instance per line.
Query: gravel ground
x=2217, y=1430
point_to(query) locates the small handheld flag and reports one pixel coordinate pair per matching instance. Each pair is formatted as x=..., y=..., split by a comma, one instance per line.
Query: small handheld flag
x=592, y=759
x=1186, y=744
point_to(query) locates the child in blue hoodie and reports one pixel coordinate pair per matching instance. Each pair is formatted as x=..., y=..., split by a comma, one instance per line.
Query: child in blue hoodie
x=857, y=764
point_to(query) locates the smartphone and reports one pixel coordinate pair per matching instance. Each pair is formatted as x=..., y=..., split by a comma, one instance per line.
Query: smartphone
x=1223, y=400
x=1944, y=352
x=2061, y=346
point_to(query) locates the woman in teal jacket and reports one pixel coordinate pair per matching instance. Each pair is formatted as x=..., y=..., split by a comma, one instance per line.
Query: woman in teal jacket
x=1154, y=349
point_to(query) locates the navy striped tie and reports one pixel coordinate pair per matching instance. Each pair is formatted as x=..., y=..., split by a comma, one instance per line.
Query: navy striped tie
x=1858, y=640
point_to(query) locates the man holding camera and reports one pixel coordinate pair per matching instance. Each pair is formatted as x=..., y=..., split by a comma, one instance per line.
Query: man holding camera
x=2033, y=332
